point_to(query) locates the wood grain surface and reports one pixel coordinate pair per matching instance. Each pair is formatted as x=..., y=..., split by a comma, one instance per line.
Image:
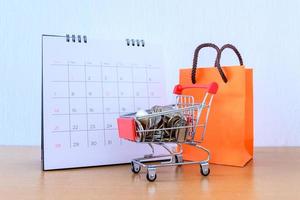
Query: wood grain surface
x=273, y=174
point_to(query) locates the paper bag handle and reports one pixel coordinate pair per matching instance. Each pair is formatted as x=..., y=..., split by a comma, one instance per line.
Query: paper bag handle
x=229, y=46
x=195, y=61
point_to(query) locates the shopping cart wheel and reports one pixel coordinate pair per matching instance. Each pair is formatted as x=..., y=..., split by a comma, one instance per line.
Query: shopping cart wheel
x=135, y=168
x=151, y=178
x=151, y=174
x=206, y=172
x=204, y=168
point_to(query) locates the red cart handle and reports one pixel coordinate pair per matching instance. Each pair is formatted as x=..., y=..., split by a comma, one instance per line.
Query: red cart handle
x=211, y=88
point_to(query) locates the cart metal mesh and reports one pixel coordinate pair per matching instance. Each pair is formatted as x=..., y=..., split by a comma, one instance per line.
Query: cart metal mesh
x=178, y=123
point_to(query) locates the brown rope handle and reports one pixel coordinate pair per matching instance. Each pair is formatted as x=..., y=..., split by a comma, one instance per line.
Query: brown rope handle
x=229, y=46
x=195, y=61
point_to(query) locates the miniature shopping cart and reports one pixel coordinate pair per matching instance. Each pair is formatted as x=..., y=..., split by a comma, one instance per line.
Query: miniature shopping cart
x=163, y=125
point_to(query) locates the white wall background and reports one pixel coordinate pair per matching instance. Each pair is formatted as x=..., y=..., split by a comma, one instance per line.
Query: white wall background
x=266, y=32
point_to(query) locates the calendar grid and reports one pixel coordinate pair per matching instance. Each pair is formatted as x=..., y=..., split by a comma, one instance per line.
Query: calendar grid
x=84, y=113
x=69, y=103
x=138, y=95
x=104, y=66
x=118, y=91
x=106, y=81
x=103, y=117
x=129, y=97
x=86, y=107
x=132, y=83
x=84, y=130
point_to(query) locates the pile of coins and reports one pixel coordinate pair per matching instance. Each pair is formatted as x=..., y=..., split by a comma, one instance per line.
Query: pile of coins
x=168, y=127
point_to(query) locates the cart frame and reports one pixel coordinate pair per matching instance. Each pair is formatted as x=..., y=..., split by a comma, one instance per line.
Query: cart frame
x=186, y=107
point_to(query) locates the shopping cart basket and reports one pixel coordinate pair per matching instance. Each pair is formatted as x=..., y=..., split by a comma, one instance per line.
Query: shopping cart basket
x=162, y=125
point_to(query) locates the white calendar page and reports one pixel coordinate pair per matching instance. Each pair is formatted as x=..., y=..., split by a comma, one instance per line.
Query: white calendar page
x=86, y=86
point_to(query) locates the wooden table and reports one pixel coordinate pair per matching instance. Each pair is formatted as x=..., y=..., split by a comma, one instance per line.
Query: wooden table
x=274, y=174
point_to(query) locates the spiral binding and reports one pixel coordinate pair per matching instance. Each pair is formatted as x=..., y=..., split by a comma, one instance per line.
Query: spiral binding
x=79, y=39
x=72, y=38
x=135, y=42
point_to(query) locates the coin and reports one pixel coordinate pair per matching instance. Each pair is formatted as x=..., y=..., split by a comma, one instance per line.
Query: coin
x=139, y=127
x=161, y=128
x=180, y=133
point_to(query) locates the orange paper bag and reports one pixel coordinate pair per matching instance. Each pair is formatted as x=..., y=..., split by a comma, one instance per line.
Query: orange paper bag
x=229, y=133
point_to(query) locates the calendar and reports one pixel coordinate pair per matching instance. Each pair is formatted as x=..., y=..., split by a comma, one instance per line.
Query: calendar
x=86, y=84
